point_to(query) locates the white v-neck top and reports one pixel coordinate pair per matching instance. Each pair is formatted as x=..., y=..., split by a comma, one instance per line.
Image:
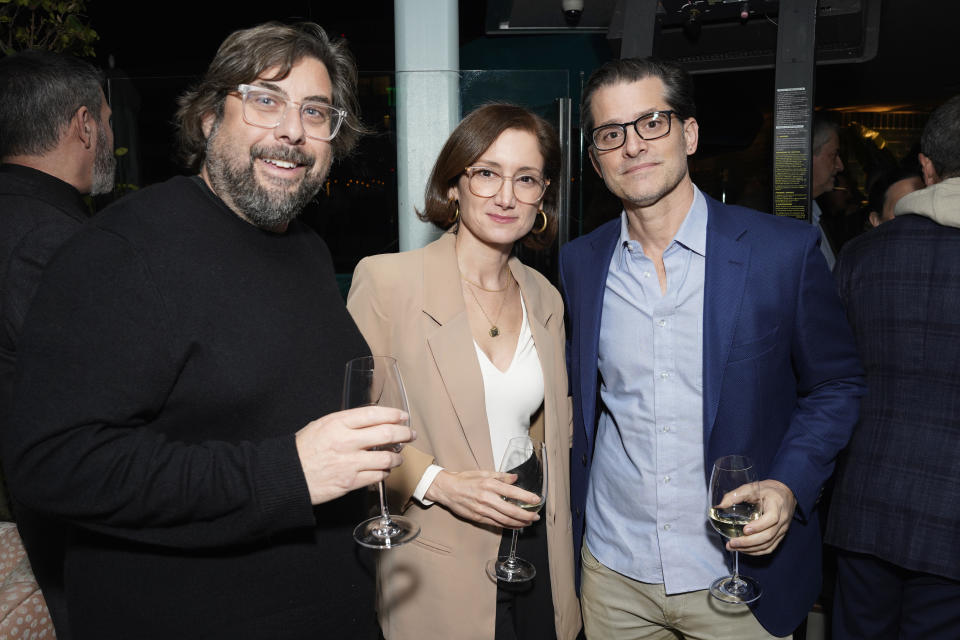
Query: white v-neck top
x=511, y=397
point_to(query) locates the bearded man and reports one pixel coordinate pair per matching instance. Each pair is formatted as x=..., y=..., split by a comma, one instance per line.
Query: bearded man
x=175, y=352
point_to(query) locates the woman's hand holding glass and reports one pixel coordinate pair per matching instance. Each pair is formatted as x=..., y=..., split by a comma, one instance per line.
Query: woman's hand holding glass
x=527, y=459
x=479, y=496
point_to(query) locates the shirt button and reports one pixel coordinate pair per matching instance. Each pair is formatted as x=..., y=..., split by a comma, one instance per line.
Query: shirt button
x=666, y=479
x=662, y=323
x=666, y=527
x=665, y=428
x=583, y=459
x=664, y=374
x=646, y=274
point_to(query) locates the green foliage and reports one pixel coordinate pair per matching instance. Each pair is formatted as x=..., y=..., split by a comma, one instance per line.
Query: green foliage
x=54, y=25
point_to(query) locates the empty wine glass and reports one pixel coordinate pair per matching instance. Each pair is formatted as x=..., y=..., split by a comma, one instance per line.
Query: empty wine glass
x=375, y=380
x=734, y=473
x=528, y=460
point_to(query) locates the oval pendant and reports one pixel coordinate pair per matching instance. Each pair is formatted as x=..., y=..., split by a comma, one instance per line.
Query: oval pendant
x=494, y=332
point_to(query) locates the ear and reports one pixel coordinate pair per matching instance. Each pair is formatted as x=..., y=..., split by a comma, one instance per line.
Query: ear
x=874, y=219
x=82, y=125
x=930, y=176
x=206, y=123
x=453, y=193
x=691, y=135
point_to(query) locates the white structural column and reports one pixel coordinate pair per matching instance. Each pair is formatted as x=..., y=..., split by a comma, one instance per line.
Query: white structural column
x=428, y=102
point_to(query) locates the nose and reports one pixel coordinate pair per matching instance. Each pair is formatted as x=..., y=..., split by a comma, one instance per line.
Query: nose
x=290, y=128
x=634, y=144
x=839, y=164
x=505, y=197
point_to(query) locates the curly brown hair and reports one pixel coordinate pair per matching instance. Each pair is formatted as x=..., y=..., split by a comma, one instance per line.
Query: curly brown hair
x=245, y=56
x=469, y=140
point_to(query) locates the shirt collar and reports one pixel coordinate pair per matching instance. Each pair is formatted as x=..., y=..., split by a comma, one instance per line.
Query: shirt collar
x=692, y=233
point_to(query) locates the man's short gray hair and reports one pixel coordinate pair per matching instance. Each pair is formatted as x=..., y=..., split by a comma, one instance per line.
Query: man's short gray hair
x=823, y=126
x=41, y=93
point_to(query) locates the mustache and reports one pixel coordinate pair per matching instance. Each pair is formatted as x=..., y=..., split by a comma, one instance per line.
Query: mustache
x=287, y=154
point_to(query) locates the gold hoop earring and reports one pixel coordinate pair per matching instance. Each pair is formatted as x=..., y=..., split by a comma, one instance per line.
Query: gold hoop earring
x=456, y=214
x=543, y=227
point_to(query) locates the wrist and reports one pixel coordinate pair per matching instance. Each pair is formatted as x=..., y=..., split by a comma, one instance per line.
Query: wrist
x=435, y=492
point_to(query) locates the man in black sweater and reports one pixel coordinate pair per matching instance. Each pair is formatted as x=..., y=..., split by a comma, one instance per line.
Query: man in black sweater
x=55, y=145
x=174, y=352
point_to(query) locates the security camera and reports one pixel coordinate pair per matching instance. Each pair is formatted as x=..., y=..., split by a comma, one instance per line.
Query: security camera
x=572, y=10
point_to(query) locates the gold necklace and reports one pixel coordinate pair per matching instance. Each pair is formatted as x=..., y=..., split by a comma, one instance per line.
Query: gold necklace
x=482, y=288
x=494, y=329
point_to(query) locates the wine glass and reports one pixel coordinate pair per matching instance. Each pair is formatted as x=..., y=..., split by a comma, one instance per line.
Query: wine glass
x=528, y=460
x=732, y=473
x=375, y=380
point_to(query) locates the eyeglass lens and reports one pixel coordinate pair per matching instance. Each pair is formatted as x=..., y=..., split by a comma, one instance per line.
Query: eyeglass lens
x=266, y=109
x=649, y=127
x=486, y=183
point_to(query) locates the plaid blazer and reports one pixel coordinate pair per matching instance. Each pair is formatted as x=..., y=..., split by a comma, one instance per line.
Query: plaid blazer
x=897, y=484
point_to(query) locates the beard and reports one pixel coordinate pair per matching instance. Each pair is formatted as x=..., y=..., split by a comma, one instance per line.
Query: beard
x=269, y=202
x=104, y=166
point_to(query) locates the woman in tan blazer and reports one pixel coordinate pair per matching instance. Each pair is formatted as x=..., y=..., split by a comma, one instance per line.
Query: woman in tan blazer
x=457, y=314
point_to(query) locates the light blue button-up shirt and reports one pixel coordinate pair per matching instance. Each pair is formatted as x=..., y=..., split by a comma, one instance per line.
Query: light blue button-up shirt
x=647, y=500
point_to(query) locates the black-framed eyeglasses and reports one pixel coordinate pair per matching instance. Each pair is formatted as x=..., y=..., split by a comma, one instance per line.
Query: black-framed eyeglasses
x=649, y=126
x=484, y=182
x=265, y=109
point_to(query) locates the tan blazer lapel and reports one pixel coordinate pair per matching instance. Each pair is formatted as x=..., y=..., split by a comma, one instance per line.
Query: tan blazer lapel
x=451, y=345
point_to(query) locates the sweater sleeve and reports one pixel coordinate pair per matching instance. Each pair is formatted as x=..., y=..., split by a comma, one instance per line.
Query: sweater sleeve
x=98, y=359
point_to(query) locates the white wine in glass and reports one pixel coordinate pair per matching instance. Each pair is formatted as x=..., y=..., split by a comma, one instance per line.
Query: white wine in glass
x=375, y=380
x=731, y=473
x=528, y=460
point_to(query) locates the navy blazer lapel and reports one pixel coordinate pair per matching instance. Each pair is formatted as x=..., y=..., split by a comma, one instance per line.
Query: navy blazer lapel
x=727, y=262
x=591, y=273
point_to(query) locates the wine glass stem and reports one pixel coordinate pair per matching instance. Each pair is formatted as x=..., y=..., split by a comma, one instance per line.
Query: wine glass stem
x=736, y=567
x=512, y=558
x=384, y=514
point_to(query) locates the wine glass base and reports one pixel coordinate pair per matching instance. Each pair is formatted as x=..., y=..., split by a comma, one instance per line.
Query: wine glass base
x=742, y=591
x=503, y=570
x=375, y=534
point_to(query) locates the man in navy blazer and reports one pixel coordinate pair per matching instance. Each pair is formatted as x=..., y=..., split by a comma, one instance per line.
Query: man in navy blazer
x=737, y=346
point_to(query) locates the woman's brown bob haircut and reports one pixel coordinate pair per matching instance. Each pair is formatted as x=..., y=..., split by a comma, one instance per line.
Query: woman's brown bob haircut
x=469, y=140
x=244, y=57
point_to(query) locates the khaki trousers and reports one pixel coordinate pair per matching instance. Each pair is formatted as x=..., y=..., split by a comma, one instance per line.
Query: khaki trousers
x=616, y=607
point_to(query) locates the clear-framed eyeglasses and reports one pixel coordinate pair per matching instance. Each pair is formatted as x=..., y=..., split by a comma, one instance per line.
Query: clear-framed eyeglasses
x=265, y=108
x=528, y=187
x=649, y=126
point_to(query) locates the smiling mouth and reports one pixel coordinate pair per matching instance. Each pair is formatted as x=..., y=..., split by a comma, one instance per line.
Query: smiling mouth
x=283, y=164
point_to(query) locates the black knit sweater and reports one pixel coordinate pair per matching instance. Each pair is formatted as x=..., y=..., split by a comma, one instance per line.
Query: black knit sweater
x=171, y=353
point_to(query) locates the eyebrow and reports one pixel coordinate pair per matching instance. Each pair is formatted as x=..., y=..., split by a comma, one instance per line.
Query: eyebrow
x=496, y=165
x=639, y=114
x=276, y=88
